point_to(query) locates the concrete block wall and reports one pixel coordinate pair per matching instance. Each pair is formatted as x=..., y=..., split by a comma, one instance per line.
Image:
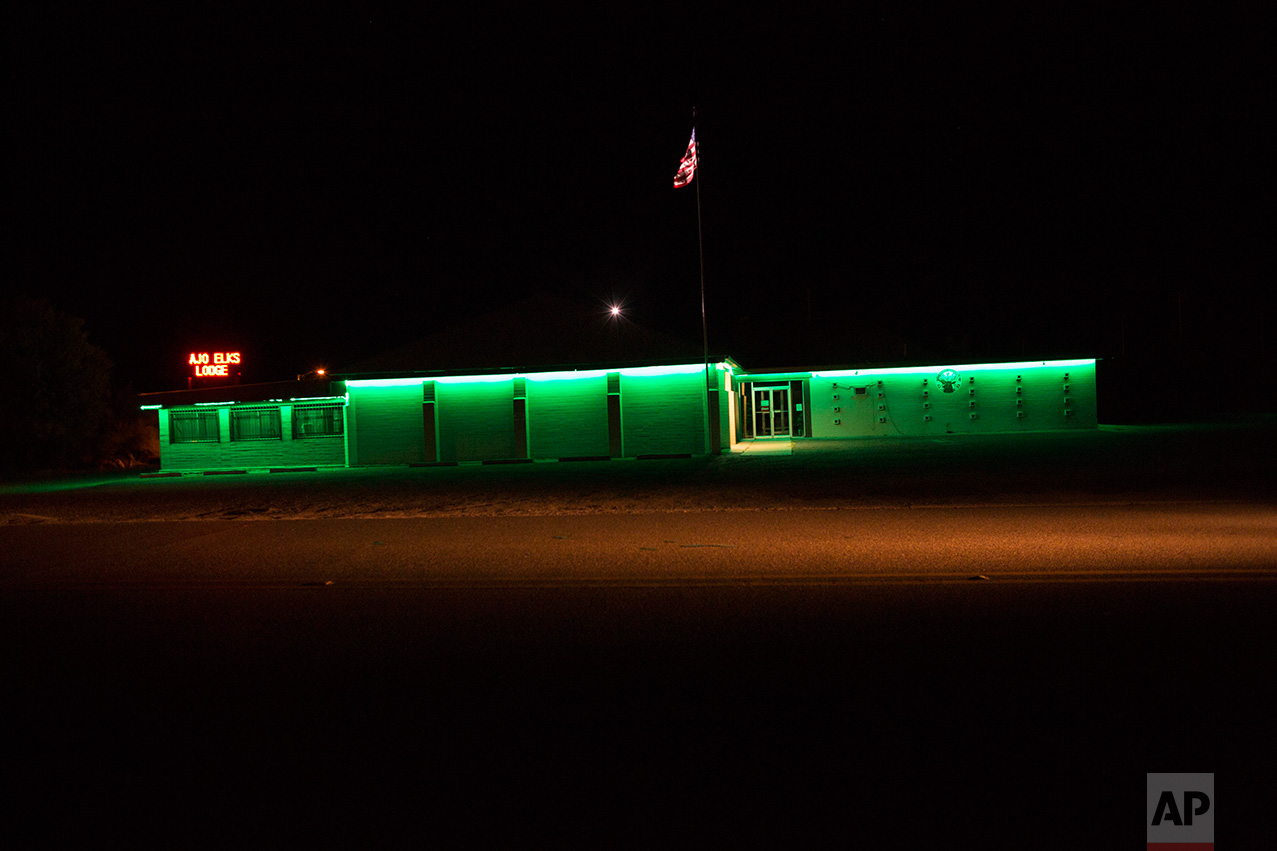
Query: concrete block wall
x=965, y=399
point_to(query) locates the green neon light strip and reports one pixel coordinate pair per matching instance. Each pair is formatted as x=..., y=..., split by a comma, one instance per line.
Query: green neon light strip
x=384, y=382
x=567, y=375
x=969, y=367
x=342, y=398
x=474, y=379
x=676, y=369
x=681, y=369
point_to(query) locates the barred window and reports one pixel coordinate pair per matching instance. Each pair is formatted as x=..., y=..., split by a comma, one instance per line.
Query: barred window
x=317, y=421
x=255, y=424
x=193, y=427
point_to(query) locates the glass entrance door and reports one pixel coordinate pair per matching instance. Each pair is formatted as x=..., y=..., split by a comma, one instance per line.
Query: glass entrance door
x=771, y=412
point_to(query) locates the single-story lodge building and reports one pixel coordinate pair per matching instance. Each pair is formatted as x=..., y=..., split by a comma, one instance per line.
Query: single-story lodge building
x=418, y=406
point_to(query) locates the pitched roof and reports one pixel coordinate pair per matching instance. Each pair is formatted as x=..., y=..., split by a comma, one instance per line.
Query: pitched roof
x=538, y=332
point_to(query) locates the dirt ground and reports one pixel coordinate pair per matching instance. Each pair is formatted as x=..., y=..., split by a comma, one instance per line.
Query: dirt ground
x=1111, y=464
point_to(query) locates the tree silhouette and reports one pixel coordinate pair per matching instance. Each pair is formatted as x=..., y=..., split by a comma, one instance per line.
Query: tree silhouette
x=58, y=387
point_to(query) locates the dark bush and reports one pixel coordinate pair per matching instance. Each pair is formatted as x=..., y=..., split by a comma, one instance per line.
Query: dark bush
x=58, y=388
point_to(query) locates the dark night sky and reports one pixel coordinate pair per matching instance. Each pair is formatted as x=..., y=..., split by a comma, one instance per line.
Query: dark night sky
x=316, y=183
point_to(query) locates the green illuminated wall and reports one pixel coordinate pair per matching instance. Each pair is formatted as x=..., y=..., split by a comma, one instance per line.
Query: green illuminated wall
x=476, y=421
x=985, y=399
x=568, y=419
x=386, y=424
x=663, y=414
x=226, y=454
x=627, y=412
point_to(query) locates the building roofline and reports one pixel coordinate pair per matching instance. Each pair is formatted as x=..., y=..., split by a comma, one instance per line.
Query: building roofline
x=230, y=394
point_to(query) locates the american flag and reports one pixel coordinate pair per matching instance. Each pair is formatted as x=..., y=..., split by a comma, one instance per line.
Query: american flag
x=687, y=166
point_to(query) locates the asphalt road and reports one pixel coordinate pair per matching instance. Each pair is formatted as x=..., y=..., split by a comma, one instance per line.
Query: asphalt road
x=894, y=714
x=1051, y=542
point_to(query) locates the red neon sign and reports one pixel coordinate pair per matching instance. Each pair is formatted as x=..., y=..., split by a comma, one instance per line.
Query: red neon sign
x=211, y=365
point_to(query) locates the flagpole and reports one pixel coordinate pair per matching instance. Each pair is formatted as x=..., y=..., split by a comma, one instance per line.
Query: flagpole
x=687, y=169
x=700, y=250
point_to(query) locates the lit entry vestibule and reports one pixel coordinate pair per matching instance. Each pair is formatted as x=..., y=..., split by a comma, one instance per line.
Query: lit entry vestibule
x=772, y=409
x=771, y=412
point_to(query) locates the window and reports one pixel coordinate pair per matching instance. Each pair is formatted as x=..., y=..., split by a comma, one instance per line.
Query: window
x=255, y=424
x=317, y=421
x=193, y=427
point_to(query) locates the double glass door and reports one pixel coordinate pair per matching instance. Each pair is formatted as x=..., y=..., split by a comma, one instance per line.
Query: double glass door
x=771, y=412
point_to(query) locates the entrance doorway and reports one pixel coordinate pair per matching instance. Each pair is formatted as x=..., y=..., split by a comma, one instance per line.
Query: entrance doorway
x=771, y=412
